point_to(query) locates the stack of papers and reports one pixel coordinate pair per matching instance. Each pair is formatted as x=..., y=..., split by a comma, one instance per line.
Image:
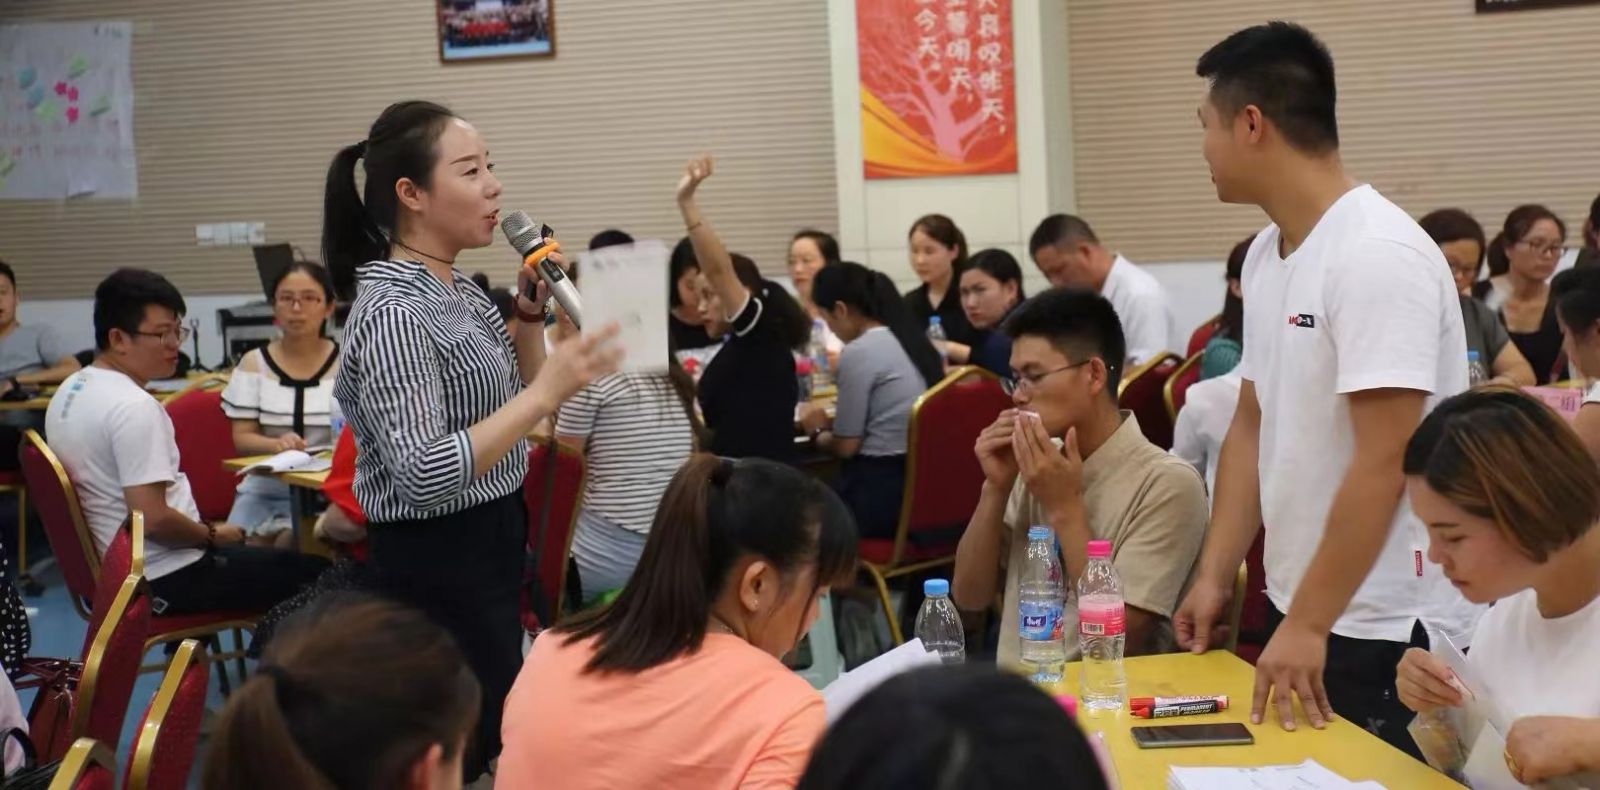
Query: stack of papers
x=289, y=461
x=1309, y=775
x=853, y=685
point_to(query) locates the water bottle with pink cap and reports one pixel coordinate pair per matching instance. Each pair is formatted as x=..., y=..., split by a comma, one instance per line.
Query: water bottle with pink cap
x=1102, y=626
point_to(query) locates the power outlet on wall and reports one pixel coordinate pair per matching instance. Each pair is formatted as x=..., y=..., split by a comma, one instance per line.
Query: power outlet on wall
x=230, y=234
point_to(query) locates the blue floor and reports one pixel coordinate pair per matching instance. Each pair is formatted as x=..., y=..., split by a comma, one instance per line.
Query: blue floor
x=58, y=632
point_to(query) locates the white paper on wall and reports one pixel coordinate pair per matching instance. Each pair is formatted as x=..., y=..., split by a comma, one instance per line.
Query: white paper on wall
x=66, y=111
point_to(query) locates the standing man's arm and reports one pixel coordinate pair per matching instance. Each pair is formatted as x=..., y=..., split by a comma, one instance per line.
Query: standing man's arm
x=1235, y=520
x=1382, y=421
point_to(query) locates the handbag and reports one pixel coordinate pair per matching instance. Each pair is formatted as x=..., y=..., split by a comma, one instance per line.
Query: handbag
x=50, y=716
x=32, y=775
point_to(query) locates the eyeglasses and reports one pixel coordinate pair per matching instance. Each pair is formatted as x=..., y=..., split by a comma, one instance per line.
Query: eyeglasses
x=1025, y=381
x=173, y=337
x=1548, y=251
x=296, y=300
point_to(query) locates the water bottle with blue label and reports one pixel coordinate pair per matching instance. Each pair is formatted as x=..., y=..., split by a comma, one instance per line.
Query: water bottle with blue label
x=1041, y=597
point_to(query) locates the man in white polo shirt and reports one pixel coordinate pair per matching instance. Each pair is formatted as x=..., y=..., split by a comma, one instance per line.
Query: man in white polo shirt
x=1069, y=255
x=1352, y=333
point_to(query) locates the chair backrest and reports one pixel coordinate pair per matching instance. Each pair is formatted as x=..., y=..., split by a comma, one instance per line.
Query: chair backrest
x=56, y=502
x=89, y=765
x=123, y=558
x=565, y=493
x=1202, y=335
x=1141, y=393
x=164, y=747
x=204, y=436
x=1176, y=392
x=943, y=478
x=112, y=664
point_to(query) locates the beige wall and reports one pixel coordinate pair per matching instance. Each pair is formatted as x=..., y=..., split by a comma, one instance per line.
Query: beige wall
x=240, y=105
x=1438, y=106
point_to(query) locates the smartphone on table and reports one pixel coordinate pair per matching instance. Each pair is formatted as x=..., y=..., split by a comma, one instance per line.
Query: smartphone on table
x=1175, y=736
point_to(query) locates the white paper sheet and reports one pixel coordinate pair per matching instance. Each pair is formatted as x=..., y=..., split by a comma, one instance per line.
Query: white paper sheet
x=628, y=284
x=853, y=685
x=1309, y=775
x=289, y=461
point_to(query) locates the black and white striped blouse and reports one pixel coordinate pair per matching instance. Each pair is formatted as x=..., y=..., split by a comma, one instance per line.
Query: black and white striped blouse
x=422, y=363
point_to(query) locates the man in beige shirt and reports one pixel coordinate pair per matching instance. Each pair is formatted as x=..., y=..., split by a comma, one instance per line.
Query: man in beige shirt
x=1100, y=480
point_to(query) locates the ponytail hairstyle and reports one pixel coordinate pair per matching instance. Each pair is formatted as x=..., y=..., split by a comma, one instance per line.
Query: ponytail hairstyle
x=716, y=511
x=357, y=226
x=827, y=245
x=942, y=229
x=352, y=691
x=788, y=317
x=1518, y=224
x=873, y=295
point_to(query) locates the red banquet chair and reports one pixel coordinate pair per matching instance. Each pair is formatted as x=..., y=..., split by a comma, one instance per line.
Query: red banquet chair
x=1176, y=391
x=111, y=664
x=1202, y=335
x=943, y=480
x=204, y=436
x=1141, y=393
x=88, y=765
x=557, y=479
x=163, y=750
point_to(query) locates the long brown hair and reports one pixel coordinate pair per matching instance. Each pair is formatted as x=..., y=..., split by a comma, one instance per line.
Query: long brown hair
x=715, y=511
x=1499, y=454
x=350, y=694
x=944, y=230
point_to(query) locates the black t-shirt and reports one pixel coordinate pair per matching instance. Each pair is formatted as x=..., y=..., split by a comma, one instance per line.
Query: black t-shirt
x=749, y=391
x=684, y=336
x=1542, y=346
x=951, y=316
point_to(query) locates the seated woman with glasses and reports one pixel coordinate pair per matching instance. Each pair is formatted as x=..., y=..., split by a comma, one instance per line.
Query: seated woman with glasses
x=1460, y=238
x=1521, y=260
x=281, y=397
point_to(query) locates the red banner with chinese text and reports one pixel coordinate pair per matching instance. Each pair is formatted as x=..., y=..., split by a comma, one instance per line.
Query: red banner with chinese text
x=937, y=87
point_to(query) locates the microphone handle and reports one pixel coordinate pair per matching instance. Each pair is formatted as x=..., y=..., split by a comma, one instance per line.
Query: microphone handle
x=561, y=288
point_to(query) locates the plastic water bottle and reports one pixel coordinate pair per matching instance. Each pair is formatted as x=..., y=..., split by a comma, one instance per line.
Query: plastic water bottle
x=335, y=418
x=817, y=350
x=1102, y=627
x=937, y=336
x=1475, y=372
x=938, y=624
x=803, y=373
x=1040, y=598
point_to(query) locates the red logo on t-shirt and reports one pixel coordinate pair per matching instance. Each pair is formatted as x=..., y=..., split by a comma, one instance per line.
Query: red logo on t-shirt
x=1303, y=320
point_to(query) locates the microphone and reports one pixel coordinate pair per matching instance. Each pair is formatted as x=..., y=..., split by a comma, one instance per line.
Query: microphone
x=528, y=237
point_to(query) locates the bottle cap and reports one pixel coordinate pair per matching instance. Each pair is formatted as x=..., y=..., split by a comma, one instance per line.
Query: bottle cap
x=933, y=587
x=933, y=320
x=1039, y=533
x=802, y=366
x=1472, y=355
x=1098, y=549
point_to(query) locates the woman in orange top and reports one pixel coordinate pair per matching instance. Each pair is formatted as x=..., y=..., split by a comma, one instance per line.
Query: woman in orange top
x=678, y=684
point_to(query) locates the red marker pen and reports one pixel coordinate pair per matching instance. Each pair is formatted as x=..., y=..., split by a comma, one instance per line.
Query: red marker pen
x=1182, y=709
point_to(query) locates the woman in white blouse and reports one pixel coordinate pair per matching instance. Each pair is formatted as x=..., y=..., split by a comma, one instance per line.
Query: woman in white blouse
x=281, y=396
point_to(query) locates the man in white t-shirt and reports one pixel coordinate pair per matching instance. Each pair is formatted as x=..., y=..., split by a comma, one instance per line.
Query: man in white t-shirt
x=1352, y=333
x=1068, y=254
x=116, y=442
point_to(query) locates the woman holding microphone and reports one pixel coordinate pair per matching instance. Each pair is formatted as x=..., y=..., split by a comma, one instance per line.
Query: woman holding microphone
x=439, y=395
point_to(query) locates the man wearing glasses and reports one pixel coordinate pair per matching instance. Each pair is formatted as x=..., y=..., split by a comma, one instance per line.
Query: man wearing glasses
x=116, y=442
x=1068, y=458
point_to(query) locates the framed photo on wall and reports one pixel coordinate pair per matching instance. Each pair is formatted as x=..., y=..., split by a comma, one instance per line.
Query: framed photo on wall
x=486, y=29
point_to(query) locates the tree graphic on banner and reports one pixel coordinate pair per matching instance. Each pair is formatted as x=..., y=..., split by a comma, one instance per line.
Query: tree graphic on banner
x=944, y=68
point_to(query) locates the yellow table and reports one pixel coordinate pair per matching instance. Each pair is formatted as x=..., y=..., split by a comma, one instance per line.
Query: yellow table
x=1343, y=747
